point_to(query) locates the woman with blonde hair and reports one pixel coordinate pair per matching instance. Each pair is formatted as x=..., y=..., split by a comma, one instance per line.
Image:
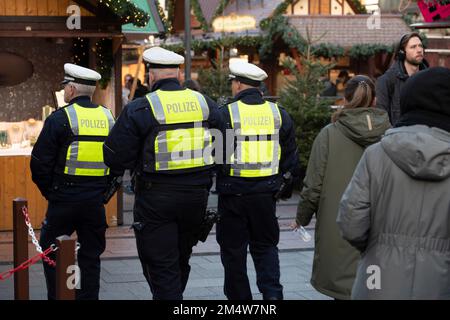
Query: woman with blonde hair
x=335, y=153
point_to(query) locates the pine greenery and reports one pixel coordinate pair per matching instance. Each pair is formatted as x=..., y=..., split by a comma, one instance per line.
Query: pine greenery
x=214, y=82
x=300, y=97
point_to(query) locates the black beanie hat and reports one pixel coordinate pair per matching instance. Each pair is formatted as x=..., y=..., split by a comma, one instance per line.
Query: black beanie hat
x=427, y=90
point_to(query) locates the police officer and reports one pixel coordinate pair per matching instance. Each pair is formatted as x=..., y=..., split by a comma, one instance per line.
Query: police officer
x=263, y=144
x=165, y=138
x=67, y=166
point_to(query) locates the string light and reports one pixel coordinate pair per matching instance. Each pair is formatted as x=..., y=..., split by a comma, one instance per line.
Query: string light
x=128, y=12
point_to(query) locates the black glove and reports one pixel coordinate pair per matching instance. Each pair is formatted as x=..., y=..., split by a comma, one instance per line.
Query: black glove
x=211, y=217
x=114, y=184
x=286, y=188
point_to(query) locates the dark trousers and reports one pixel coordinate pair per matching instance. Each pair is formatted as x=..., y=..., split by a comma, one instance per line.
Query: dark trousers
x=249, y=221
x=89, y=222
x=167, y=220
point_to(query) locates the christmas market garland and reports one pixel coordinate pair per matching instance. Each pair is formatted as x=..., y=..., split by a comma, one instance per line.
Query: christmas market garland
x=328, y=50
x=127, y=11
x=220, y=9
x=170, y=5
x=226, y=42
x=199, y=15
x=360, y=8
x=364, y=50
x=165, y=21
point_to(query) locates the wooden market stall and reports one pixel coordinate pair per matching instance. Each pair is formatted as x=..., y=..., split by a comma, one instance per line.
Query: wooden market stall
x=39, y=33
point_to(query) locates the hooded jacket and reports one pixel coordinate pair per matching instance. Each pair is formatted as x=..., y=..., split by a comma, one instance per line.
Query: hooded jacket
x=389, y=87
x=334, y=156
x=396, y=211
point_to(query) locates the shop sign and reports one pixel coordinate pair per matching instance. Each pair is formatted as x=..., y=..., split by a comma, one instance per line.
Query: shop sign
x=234, y=23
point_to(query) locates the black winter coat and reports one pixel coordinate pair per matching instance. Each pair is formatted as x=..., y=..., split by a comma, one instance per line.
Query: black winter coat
x=389, y=86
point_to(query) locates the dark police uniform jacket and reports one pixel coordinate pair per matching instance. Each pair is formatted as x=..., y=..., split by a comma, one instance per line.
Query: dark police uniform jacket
x=124, y=146
x=47, y=157
x=289, y=156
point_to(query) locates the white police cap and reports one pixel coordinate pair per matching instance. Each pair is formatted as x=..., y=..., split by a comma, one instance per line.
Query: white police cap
x=161, y=58
x=81, y=75
x=247, y=73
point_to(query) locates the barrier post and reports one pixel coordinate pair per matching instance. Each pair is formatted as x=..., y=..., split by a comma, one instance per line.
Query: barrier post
x=65, y=257
x=20, y=247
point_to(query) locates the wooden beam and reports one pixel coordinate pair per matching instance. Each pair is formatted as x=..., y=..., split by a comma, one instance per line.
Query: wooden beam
x=117, y=44
x=56, y=27
x=57, y=34
x=134, y=85
x=117, y=54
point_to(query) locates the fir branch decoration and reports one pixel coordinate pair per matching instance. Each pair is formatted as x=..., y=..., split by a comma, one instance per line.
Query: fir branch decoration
x=364, y=51
x=278, y=26
x=199, y=15
x=328, y=50
x=127, y=11
x=225, y=42
x=361, y=9
x=223, y=4
x=166, y=22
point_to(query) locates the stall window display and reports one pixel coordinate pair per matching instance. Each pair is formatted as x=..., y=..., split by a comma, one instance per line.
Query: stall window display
x=19, y=135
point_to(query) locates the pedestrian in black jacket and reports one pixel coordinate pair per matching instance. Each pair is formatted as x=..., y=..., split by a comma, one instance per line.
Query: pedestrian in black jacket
x=409, y=59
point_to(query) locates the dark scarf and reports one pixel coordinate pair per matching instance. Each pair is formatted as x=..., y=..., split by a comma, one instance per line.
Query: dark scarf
x=425, y=117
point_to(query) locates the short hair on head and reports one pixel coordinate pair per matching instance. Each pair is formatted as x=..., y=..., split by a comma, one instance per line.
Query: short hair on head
x=82, y=89
x=165, y=73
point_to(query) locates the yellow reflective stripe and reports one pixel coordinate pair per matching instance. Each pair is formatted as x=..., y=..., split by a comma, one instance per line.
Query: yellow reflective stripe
x=177, y=147
x=73, y=156
x=73, y=119
x=236, y=118
x=181, y=106
x=92, y=121
x=276, y=115
x=157, y=108
x=252, y=166
x=162, y=148
x=191, y=146
x=86, y=157
x=110, y=118
x=257, y=151
x=179, y=155
x=276, y=146
x=91, y=172
x=203, y=104
x=85, y=164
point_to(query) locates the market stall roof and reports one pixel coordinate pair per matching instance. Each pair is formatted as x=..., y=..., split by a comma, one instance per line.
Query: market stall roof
x=153, y=27
x=252, y=8
x=209, y=8
x=351, y=30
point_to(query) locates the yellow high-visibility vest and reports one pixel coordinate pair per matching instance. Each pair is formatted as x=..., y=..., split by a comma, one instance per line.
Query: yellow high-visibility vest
x=256, y=128
x=183, y=140
x=90, y=127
